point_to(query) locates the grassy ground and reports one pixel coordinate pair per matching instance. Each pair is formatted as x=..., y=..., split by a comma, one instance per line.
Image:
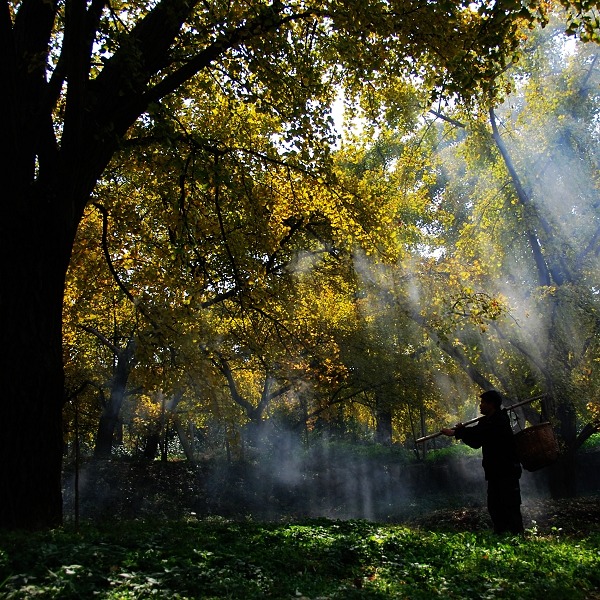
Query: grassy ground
x=447, y=554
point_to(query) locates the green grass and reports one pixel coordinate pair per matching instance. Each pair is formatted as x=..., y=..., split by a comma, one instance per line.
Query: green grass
x=316, y=559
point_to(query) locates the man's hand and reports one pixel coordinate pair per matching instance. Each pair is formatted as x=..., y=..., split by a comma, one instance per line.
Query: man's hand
x=450, y=431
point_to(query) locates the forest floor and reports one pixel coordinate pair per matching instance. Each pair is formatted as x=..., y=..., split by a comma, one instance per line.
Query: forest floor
x=447, y=553
x=571, y=516
x=160, y=531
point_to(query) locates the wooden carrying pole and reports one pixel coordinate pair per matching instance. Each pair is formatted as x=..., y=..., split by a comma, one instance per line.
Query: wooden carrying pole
x=517, y=404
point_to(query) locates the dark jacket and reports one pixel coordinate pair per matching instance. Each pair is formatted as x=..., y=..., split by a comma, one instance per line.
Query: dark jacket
x=494, y=435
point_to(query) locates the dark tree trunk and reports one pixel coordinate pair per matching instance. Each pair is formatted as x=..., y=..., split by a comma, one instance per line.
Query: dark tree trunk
x=561, y=476
x=151, y=443
x=46, y=185
x=383, y=425
x=110, y=415
x=187, y=446
x=152, y=440
x=561, y=479
x=157, y=438
x=35, y=248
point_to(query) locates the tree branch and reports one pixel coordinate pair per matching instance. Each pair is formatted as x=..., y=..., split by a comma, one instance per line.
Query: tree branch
x=534, y=243
x=107, y=256
x=113, y=347
x=23, y=70
x=589, y=430
x=267, y=395
x=74, y=65
x=223, y=365
x=267, y=20
x=593, y=246
x=9, y=126
x=450, y=120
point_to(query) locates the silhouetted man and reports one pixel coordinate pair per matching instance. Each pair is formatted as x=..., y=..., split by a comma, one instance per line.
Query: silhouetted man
x=493, y=434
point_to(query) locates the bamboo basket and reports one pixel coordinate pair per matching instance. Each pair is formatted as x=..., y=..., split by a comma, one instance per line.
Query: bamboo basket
x=536, y=446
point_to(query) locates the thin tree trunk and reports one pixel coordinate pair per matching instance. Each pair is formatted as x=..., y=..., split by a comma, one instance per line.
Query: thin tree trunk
x=152, y=441
x=383, y=422
x=185, y=443
x=157, y=438
x=110, y=415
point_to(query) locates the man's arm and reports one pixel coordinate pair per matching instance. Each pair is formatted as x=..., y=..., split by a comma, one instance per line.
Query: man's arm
x=472, y=436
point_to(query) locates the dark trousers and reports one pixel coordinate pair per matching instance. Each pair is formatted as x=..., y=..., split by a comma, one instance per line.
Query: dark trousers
x=504, y=504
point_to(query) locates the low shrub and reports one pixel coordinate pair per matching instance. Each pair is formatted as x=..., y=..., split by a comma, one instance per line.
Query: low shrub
x=592, y=443
x=217, y=558
x=451, y=452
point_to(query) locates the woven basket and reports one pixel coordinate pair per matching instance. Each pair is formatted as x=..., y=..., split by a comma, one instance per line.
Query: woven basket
x=536, y=446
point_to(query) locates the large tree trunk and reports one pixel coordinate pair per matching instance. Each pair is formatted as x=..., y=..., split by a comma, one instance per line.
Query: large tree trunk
x=35, y=250
x=46, y=185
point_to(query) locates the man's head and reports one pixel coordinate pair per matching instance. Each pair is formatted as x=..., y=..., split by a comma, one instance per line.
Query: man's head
x=491, y=401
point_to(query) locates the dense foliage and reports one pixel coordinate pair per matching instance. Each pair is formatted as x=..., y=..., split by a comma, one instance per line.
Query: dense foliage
x=361, y=292
x=313, y=559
